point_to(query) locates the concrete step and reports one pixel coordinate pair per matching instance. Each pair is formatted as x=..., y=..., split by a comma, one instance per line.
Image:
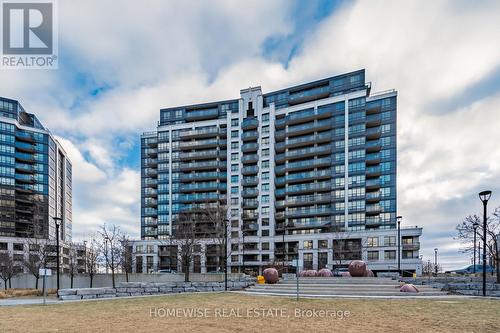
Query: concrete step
x=339, y=288
x=372, y=281
x=342, y=293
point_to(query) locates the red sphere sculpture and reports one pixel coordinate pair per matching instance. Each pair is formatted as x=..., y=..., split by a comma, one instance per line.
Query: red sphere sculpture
x=325, y=272
x=357, y=268
x=408, y=288
x=369, y=273
x=270, y=275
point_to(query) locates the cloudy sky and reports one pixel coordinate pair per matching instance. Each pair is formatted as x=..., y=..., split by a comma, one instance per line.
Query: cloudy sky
x=121, y=61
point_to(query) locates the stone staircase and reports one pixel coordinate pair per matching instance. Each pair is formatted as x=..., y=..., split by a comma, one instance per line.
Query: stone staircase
x=341, y=287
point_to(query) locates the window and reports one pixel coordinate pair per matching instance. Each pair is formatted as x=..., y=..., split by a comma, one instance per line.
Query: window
x=234, y=179
x=234, y=201
x=323, y=244
x=265, y=176
x=265, y=233
x=265, y=129
x=308, y=245
x=390, y=240
x=265, y=246
x=235, y=122
x=234, y=167
x=322, y=260
x=265, y=153
x=372, y=255
x=234, y=145
x=372, y=241
x=235, y=247
x=308, y=261
x=234, y=157
x=265, y=165
x=390, y=255
x=265, y=199
x=234, y=134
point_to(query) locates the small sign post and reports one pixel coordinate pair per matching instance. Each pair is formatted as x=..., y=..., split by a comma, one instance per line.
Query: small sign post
x=44, y=272
x=295, y=263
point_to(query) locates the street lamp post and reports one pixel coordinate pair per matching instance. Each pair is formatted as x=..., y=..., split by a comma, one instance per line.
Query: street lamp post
x=399, y=218
x=225, y=254
x=57, y=221
x=436, y=261
x=484, y=196
x=106, y=252
x=474, y=226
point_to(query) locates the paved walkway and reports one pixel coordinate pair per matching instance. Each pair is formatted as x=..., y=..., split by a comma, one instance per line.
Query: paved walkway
x=26, y=301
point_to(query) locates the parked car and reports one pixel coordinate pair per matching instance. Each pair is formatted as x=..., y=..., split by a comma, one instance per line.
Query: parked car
x=166, y=271
x=339, y=271
x=470, y=270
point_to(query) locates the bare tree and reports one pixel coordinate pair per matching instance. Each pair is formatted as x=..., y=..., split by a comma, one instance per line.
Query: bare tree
x=92, y=257
x=216, y=231
x=40, y=251
x=466, y=231
x=185, y=237
x=7, y=268
x=126, y=256
x=72, y=262
x=111, y=248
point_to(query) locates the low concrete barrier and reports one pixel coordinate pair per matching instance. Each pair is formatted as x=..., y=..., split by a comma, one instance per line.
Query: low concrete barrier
x=124, y=289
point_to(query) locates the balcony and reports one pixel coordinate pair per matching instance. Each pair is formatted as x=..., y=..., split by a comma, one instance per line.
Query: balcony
x=279, y=204
x=308, y=95
x=150, y=212
x=25, y=136
x=149, y=202
x=249, y=159
x=279, y=135
x=373, y=120
x=279, y=170
x=373, y=171
x=23, y=178
x=198, y=144
x=411, y=246
x=249, y=203
x=202, y=155
x=373, y=146
x=201, y=197
x=250, y=170
x=373, y=133
x=26, y=158
x=203, y=176
x=373, y=221
x=372, y=184
x=250, y=135
x=310, y=164
x=149, y=192
x=150, y=172
x=279, y=147
x=312, y=187
x=151, y=182
x=249, y=192
x=25, y=147
x=250, y=181
x=279, y=193
x=308, y=212
x=151, y=152
x=299, y=177
x=24, y=168
x=372, y=209
x=250, y=216
x=307, y=199
x=201, y=133
x=300, y=116
x=280, y=123
x=202, y=114
x=203, y=187
x=150, y=162
x=205, y=165
x=26, y=199
x=373, y=196
x=309, y=139
x=249, y=123
x=318, y=125
x=249, y=147
x=279, y=158
x=372, y=108
x=305, y=152
x=373, y=158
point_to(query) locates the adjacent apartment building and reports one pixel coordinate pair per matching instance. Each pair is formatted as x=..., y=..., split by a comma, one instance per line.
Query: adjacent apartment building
x=35, y=181
x=307, y=173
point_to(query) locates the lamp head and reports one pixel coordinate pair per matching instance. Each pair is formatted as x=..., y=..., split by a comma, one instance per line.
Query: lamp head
x=57, y=221
x=475, y=225
x=485, y=196
x=399, y=218
x=436, y=249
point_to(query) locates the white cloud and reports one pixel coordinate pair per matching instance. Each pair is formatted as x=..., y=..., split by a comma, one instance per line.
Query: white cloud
x=154, y=55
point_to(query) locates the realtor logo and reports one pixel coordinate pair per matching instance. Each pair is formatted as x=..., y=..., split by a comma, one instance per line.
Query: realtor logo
x=29, y=34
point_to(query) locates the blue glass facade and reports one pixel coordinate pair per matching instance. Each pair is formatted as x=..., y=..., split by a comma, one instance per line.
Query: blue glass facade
x=35, y=176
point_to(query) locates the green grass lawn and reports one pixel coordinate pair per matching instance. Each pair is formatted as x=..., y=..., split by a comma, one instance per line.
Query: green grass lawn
x=220, y=312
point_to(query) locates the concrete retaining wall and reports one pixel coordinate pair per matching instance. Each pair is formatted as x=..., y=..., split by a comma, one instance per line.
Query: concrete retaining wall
x=152, y=288
x=460, y=285
x=104, y=280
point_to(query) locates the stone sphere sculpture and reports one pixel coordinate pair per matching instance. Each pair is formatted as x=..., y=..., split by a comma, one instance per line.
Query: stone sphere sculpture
x=271, y=275
x=408, y=288
x=325, y=272
x=369, y=273
x=308, y=273
x=357, y=268
x=345, y=274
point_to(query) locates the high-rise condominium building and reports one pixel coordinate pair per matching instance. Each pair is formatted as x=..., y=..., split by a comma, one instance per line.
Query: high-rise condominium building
x=35, y=177
x=307, y=173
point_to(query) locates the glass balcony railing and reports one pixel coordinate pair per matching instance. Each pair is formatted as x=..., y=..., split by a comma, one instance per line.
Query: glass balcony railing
x=310, y=93
x=248, y=147
x=308, y=211
x=371, y=183
x=249, y=123
x=373, y=119
x=250, y=170
x=371, y=221
x=203, y=175
x=309, y=187
x=250, y=135
x=309, y=126
x=201, y=197
x=200, y=132
x=250, y=181
x=25, y=157
x=373, y=145
x=251, y=158
x=307, y=151
x=202, y=165
x=25, y=167
x=250, y=203
x=25, y=136
x=372, y=196
x=201, y=114
x=249, y=192
x=307, y=175
x=150, y=182
x=309, y=138
x=280, y=192
x=373, y=170
x=374, y=208
x=279, y=122
x=25, y=178
x=203, y=186
x=202, y=143
x=150, y=192
x=308, y=199
x=309, y=164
